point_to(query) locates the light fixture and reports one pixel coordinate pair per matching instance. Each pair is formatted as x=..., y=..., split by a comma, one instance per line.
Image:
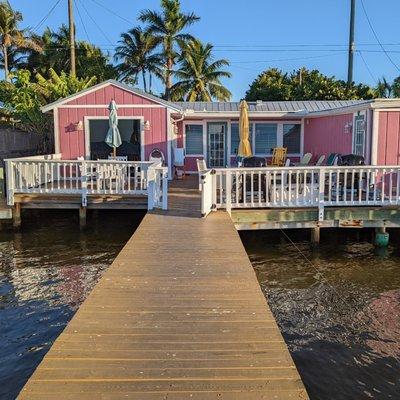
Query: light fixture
x=79, y=126
x=147, y=125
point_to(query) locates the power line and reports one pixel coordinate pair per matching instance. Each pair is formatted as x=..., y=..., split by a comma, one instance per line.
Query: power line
x=377, y=38
x=81, y=19
x=43, y=20
x=366, y=66
x=95, y=23
x=111, y=11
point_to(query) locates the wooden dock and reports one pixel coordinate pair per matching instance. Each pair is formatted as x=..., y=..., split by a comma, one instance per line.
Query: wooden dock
x=178, y=315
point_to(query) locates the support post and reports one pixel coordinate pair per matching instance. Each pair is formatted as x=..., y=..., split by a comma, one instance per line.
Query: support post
x=381, y=237
x=321, y=195
x=315, y=235
x=17, y=215
x=82, y=217
x=164, y=175
x=228, y=191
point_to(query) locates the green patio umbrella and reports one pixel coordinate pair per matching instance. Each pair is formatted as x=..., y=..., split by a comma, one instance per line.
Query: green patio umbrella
x=113, y=137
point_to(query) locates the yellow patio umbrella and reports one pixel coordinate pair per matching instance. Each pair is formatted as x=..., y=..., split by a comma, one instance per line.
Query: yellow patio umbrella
x=244, y=144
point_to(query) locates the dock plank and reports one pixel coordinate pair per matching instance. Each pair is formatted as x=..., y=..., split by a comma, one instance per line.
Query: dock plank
x=178, y=315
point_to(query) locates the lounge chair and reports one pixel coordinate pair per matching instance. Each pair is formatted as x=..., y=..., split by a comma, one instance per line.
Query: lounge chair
x=305, y=160
x=320, y=161
x=332, y=159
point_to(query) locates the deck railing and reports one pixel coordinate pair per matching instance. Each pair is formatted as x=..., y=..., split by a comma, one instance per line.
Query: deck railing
x=52, y=175
x=291, y=187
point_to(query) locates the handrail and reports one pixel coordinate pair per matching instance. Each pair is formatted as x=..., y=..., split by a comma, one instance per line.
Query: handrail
x=294, y=187
x=87, y=177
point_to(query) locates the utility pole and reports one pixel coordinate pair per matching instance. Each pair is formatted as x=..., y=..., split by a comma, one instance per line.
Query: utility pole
x=351, y=42
x=72, y=37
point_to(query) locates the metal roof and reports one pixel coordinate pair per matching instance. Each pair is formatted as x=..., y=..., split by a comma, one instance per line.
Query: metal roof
x=271, y=106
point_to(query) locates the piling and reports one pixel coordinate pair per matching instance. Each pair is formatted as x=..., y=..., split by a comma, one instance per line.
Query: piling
x=17, y=215
x=381, y=237
x=315, y=235
x=82, y=217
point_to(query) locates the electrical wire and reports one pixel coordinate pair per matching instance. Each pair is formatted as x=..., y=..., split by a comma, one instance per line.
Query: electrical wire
x=367, y=66
x=111, y=11
x=95, y=23
x=44, y=19
x=377, y=38
x=81, y=19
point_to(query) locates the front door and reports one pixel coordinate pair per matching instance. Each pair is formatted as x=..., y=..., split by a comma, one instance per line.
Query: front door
x=216, y=144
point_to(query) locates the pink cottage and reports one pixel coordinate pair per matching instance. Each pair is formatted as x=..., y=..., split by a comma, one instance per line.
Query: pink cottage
x=209, y=130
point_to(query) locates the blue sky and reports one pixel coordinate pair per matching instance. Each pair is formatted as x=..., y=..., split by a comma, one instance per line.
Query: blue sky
x=253, y=34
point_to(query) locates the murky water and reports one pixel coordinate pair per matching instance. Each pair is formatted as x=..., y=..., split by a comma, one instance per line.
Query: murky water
x=46, y=271
x=338, y=307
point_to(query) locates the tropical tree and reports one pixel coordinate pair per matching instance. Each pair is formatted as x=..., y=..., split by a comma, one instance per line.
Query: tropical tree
x=136, y=51
x=11, y=35
x=168, y=27
x=199, y=76
x=303, y=84
x=55, y=54
x=384, y=89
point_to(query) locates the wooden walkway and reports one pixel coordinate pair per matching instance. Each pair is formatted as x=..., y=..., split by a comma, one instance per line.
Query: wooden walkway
x=178, y=315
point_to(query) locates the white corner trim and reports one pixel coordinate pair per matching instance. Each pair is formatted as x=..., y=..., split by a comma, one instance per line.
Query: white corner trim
x=56, y=131
x=375, y=137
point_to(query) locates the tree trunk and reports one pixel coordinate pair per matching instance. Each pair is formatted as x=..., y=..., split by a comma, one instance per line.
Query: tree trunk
x=150, y=81
x=144, y=80
x=6, y=71
x=168, y=78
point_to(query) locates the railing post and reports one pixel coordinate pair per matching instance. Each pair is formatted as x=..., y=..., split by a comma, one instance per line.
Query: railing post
x=10, y=182
x=151, y=187
x=84, y=182
x=164, y=175
x=228, y=191
x=321, y=194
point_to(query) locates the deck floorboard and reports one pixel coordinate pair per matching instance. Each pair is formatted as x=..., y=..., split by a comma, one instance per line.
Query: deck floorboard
x=178, y=315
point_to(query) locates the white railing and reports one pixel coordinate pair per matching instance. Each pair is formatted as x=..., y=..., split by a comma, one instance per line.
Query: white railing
x=51, y=175
x=290, y=187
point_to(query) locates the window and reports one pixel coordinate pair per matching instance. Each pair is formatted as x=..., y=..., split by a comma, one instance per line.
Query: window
x=235, y=138
x=194, y=139
x=359, y=135
x=265, y=138
x=291, y=138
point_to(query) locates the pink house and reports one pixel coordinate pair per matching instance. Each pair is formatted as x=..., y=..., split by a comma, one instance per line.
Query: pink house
x=209, y=130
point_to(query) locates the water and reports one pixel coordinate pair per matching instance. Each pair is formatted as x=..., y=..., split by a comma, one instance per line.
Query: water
x=339, y=312
x=46, y=271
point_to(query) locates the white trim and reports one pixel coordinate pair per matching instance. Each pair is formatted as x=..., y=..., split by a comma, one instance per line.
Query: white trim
x=87, y=120
x=368, y=138
x=375, y=137
x=105, y=106
x=228, y=142
x=235, y=115
x=170, y=136
x=56, y=130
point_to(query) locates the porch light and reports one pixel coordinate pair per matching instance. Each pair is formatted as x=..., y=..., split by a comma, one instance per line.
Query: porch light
x=79, y=126
x=147, y=125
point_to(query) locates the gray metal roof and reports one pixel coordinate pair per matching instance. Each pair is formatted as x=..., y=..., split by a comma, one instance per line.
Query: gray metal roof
x=271, y=106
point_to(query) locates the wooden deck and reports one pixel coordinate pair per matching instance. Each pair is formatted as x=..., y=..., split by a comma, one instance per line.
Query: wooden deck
x=178, y=315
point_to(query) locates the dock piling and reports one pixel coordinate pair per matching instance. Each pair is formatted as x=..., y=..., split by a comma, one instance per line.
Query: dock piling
x=17, y=215
x=315, y=235
x=82, y=217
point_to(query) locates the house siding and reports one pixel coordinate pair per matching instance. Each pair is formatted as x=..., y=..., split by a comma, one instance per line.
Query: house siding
x=389, y=138
x=325, y=135
x=72, y=141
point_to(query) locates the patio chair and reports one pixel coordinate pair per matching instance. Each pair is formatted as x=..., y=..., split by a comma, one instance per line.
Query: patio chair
x=320, y=161
x=305, y=160
x=279, y=156
x=332, y=159
x=179, y=163
x=157, y=155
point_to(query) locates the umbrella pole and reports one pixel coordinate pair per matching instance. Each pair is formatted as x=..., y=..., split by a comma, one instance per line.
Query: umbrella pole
x=114, y=151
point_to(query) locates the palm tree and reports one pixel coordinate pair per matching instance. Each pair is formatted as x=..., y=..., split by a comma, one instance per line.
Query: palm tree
x=384, y=89
x=136, y=50
x=167, y=27
x=199, y=75
x=11, y=35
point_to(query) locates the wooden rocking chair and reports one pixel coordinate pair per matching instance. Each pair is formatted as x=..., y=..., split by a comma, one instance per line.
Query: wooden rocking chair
x=279, y=156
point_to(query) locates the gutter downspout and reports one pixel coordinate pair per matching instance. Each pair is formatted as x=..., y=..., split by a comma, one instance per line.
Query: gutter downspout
x=375, y=137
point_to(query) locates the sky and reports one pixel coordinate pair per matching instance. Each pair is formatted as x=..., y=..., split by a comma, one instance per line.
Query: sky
x=252, y=34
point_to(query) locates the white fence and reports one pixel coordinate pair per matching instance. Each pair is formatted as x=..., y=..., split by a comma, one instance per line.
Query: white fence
x=291, y=187
x=51, y=175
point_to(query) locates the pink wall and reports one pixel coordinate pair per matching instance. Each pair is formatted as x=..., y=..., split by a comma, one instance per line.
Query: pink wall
x=389, y=138
x=72, y=142
x=325, y=135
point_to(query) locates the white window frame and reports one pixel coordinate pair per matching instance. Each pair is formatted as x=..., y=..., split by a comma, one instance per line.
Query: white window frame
x=353, y=138
x=204, y=125
x=279, y=133
x=87, y=120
